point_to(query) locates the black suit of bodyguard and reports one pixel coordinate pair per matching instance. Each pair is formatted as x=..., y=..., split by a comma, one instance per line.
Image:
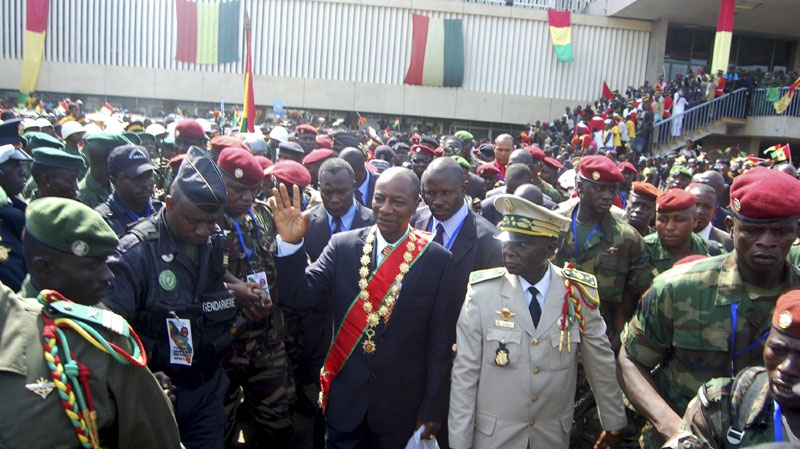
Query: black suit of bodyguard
x=168, y=284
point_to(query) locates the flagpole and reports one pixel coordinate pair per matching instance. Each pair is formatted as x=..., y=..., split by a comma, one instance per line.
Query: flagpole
x=249, y=113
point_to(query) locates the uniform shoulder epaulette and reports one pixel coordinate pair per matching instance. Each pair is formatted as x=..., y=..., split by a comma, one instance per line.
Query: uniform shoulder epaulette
x=714, y=390
x=91, y=315
x=579, y=277
x=482, y=275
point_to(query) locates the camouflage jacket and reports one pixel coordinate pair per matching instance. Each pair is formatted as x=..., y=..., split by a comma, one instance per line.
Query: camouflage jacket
x=615, y=255
x=662, y=260
x=711, y=413
x=683, y=326
x=258, y=231
x=549, y=190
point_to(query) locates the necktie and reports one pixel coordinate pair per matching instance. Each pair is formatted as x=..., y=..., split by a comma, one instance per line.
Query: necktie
x=535, y=308
x=439, y=237
x=359, y=197
x=337, y=225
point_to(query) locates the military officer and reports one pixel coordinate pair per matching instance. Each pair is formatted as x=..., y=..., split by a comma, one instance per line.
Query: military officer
x=169, y=281
x=118, y=404
x=760, y=404
x=257, y=362
x=707, y=319
x=95, y=187
x=522, y=330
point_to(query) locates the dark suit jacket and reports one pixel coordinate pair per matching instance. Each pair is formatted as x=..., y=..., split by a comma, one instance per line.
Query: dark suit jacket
x=406, y=378
x=718, y=235
x=318, y=322
x=373, y=178
x=476, y=187
x=474, y=248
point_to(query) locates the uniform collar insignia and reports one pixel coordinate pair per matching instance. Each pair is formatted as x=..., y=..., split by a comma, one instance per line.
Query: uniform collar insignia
x=612, y=250
x=41, y=387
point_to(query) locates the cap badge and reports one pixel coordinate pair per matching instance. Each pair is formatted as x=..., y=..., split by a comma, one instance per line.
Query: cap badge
x=509, y=205
x=177, y=133
x=80, y=248
x=4, y=251
x=238, y=173
x=595, y=175
x=785, y=319
x=167, y=280
x=737, y=206
x=167, y=257
x=20, y=129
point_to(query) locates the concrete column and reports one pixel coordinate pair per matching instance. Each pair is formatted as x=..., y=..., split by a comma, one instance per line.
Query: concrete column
x=655, y=51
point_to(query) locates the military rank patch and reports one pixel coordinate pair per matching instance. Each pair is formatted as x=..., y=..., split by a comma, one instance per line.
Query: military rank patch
x=482, y=275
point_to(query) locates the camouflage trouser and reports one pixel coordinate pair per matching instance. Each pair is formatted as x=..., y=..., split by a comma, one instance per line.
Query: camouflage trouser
x=261, y=388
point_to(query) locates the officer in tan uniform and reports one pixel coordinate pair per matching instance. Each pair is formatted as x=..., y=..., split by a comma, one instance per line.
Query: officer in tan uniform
x=520, y=336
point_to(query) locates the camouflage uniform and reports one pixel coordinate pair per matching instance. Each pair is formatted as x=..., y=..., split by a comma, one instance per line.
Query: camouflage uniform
x=549, y=190
x=708, y=416
x=615, y=255
x=683, y=327
x=257, y=362
x=662, y=260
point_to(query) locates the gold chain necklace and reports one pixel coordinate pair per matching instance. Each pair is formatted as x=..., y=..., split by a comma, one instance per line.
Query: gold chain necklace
x=385, y=309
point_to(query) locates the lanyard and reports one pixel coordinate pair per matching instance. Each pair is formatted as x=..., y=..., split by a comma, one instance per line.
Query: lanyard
x=452, y=237
x=247, y=253
x=777, y=422
x=622, y=200
x=575, y=232
x=734, y=321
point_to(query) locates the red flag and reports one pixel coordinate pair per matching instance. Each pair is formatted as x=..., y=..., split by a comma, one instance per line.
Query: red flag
x=249, y=113
x=607, y=92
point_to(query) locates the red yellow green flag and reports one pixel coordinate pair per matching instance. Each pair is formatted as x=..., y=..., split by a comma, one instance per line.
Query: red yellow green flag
x=249, y=108
x=561, y=34
x=722, y=41
x=33, y=47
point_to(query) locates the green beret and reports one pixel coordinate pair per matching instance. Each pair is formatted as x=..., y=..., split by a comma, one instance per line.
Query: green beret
x=679, y=170
x=54, y=158
x=38, y=140
x=466, y=136
x=69, y=226
x=461, y=161
x=106, y=140
x=133, y=137
x=201, y=181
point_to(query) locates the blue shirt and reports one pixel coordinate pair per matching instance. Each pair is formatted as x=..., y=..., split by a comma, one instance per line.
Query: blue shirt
x=347, y=218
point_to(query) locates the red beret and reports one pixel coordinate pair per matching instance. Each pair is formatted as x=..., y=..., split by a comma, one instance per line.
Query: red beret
x=536, y=152
x=219, y=142
x=786, y=318
x=306, y=128
x=600, y=169
x=240, y=165
x=438, y=152
x=190, y=129
x=553, y=163
x=175, y=162
x=762, y=194
x=487, y=169
x=263, y=161
x=627, y=166
x=320, y=154
x=645, y=190
x=291, y=172
x=324, y=142
x=424, y=149
x=416, y=138
x=674, y=200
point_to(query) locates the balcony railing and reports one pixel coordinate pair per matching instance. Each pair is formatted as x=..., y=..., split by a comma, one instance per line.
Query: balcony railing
x=760, y=107
x=575, y=6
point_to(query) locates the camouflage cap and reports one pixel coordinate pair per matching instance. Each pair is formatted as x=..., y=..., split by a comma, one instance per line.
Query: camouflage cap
x=786, y=318
x=69, y=226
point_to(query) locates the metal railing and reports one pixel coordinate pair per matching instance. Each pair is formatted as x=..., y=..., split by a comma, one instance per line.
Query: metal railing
x=675, y=128
x=575, y=6
x=760, y=107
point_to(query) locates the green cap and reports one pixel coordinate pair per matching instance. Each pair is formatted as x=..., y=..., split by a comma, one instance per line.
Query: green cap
x=54, y=158
x=107, y=140
x=37, y=140
x=461, y=162
x=679, y=170
x=466, y=136
x=168, y=143
x=69, y=226
x=133, y=137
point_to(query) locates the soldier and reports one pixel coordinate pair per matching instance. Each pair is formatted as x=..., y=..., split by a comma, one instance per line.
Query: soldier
x=679, y=177
x=421, y=156
x=760, y=404
x=96, y=187
x=116, y=401
x=131, y=173
x=292, y=151
x=257, y=363
x=674, y=239
x=12, y=208
x=72, y=133
x=306, y=136
x=705, y=319
x=169, y=281
x=55, y=173
x=641, y=207
x=188, y=132
x=521, y=319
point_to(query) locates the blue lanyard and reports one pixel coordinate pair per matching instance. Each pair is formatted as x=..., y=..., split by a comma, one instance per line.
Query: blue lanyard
x=247, y=254
x=734, y=321
x=148, y=210
x=777, y=422
x=452, y=237
x=575, y=232
x=622, y=200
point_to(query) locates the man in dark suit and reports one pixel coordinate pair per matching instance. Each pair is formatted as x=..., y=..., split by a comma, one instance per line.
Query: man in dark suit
x=389, y=364
x=365, y=181
x=469, y=237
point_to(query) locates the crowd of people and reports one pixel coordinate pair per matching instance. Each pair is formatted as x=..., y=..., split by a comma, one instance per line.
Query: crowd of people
x=168, y=284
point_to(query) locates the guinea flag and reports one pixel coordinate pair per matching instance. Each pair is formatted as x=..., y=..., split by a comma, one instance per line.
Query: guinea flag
x=722, y=41
x=437, y=52
x=33, y=47
x=561, y=34
x=208, y=33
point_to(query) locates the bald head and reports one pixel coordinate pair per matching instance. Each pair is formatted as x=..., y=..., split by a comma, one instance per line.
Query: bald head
x=402, y=175
x=711, y=178
x=443, y=168
x=517, y=175
x=531, y=193
x=355, y=158
x=504, y=138
x=521, y=156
